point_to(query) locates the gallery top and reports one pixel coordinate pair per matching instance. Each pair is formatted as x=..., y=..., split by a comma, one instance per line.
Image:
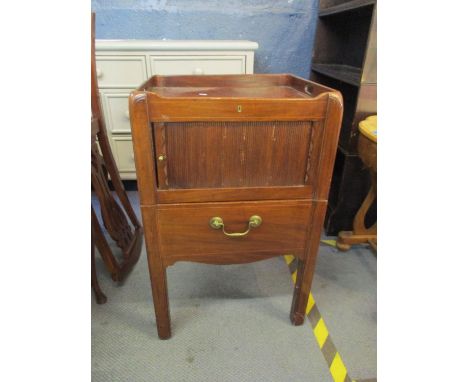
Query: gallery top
x=252, y=86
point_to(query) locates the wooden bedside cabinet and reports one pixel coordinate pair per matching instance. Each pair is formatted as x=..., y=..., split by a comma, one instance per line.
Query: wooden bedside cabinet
x=233, y=169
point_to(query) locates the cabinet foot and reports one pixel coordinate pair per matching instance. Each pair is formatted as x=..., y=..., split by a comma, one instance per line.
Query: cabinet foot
x=296, y=318
x=348, y=238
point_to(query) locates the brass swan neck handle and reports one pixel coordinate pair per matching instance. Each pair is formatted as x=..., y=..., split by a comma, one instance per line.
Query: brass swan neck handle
x=217, y=223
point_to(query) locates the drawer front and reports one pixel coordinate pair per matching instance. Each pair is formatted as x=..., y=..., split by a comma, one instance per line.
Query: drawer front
x=115, y=107
x=120, y=71
x=123, y=153
x=180, y=65
x=185, y=231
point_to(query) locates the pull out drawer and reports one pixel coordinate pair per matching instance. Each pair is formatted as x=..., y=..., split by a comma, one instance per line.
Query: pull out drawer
x=123, y=153
x=180, y=65
x=120, y=71
x=185, y=232
x=115, y=107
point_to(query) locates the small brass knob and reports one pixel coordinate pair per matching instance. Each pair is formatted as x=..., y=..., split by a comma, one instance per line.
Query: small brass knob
x=161, y=157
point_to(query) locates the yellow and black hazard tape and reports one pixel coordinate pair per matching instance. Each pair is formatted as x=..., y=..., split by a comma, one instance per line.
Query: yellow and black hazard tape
x=332, y=357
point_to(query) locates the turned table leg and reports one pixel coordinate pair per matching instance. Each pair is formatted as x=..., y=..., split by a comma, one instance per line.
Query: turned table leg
x=367, y=148
x=360, y=234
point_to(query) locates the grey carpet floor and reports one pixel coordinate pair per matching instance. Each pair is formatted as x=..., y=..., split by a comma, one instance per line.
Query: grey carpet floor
x=231, y=323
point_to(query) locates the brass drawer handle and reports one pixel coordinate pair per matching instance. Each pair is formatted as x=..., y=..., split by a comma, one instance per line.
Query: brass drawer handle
x=217, y=223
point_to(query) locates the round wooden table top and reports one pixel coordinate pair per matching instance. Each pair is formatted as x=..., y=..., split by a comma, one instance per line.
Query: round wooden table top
x=368, y=128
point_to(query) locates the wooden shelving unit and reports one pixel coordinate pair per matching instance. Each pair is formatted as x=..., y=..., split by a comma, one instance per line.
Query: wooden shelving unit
x=345, y=58
x=341, y=7
x=349, y=74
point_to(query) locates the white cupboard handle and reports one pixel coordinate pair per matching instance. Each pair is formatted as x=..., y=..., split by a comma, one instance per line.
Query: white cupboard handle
x=198, y=71
x=98, y=73
x=127, y=114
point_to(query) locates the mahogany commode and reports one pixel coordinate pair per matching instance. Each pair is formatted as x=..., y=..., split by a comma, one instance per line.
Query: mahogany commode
x=233, y=169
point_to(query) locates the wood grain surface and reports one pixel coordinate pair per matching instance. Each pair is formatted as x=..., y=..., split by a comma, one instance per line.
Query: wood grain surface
x=185, y=230
x=236, y=154
x=232, y=147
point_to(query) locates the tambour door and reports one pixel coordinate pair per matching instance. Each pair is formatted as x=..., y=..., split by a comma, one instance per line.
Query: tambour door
x=198, y=155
